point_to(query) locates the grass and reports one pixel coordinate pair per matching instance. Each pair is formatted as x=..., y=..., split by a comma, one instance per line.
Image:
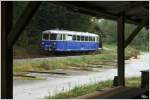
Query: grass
x=81, y=63
x=131, y=52
x=82, y=90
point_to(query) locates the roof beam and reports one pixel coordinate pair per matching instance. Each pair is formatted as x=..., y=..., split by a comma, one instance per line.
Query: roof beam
x=78, y=7
x=22, y=22
x=83, y=7
x=91, y=10
x=134, y=33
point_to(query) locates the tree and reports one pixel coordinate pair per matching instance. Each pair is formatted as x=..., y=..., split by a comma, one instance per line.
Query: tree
x=50, y=16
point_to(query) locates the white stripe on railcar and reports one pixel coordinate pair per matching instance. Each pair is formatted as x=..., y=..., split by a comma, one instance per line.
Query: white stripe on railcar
x=70, y=32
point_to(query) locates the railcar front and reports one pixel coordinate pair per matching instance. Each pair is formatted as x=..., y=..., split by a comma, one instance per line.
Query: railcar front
x=48, y=41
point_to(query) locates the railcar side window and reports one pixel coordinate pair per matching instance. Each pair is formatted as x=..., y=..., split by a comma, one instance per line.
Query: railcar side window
x=59, y=37
x=64, y=37
x=45, y=36
x=82, y=38
x=53, y=36
x=90, y=38
x=74, y=37
x=86, y=38
x=78, y=37
x=93, y=38
x=69, y=37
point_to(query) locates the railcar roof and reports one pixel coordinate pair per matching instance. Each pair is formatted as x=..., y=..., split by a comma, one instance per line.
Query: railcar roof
x=69, y=32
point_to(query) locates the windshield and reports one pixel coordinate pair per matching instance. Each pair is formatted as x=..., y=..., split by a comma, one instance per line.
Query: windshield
x=45, y=36
x=53, y=36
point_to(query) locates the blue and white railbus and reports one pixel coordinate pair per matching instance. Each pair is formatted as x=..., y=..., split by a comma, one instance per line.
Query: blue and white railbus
x=63, y=40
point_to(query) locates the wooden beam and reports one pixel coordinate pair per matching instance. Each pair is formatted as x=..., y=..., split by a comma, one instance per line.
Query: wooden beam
x=134, y=33
x=22, y=22
x=6, y=60
x=120, y=49
x=85, y=8
x=145, y=79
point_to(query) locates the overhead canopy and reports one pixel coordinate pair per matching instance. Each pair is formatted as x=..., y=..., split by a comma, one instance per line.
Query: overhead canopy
x=135, y=11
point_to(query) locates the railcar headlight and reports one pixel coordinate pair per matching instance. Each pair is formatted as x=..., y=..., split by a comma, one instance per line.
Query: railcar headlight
x=42, y=43
x=46, y=45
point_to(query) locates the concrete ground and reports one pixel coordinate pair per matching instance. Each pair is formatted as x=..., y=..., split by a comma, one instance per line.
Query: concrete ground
x=56, y=83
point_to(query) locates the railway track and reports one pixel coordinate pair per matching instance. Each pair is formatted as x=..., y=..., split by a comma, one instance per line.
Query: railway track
x=46, y=55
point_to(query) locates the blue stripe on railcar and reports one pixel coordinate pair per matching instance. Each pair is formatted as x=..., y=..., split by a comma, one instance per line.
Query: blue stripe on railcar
x=69, y=46
x=76, y=46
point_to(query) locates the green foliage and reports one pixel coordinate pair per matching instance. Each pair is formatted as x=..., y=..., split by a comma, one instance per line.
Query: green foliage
x=49, y=16
x=109, y=27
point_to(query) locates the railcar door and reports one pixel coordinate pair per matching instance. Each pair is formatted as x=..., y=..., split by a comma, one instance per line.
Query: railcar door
x=60, y=42
x=64, y=42
x=69, y=45
x=82, y=43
